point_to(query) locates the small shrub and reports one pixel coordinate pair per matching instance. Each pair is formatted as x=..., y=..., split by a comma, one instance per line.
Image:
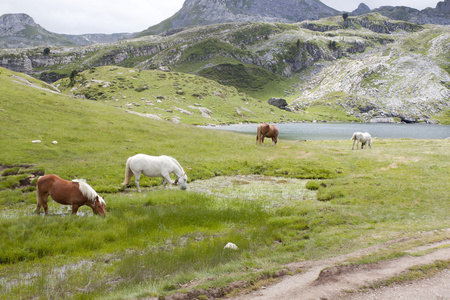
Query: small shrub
x=141, y=88
x=312, y=185
x=329, y=195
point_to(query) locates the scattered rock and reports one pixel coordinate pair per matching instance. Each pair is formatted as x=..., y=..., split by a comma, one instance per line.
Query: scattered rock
x=205, y=112
x=230, y=246
x=164, y=69
x=184, y=111
x=155, y=117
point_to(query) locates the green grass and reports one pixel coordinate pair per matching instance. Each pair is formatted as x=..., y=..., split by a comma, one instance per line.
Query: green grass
x=162, y=241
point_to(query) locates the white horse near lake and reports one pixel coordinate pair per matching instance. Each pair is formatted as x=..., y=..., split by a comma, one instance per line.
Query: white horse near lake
x=154, y=166
x=364, y=138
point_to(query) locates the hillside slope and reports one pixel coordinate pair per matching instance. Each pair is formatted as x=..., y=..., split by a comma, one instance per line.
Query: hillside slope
x=375, y=68
x=170, y=96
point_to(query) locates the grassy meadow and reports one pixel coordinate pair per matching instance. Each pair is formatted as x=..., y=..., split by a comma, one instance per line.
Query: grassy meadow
x=298, y=200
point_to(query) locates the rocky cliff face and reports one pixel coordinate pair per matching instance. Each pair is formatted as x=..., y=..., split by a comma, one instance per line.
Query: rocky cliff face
x=13, y=24
x=20, y=30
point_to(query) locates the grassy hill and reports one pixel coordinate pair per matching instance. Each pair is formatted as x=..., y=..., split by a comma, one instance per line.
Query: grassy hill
x=309, y=200
x=171, y=96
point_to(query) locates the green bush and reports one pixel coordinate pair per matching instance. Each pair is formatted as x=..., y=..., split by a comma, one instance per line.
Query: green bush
x=312, y=185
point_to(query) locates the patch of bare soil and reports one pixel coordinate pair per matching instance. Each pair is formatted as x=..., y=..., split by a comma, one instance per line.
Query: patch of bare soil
x=329, y=279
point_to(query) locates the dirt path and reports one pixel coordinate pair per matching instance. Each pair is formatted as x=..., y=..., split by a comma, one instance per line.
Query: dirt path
x=326, y=279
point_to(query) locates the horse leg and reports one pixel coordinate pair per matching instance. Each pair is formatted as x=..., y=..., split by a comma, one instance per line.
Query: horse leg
x=166, y=179
x=353, y=147
x=44, y=203
x=74, y=209
x=262, y=139
x=137, y=177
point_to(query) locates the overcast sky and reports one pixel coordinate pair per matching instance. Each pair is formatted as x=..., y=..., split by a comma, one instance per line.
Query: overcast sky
x=115, y=16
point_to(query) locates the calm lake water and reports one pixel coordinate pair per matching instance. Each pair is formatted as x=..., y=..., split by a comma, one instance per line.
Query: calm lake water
x=343, y=131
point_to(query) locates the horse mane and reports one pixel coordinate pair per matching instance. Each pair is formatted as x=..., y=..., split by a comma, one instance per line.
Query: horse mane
x=87, y=191
x=178, y=164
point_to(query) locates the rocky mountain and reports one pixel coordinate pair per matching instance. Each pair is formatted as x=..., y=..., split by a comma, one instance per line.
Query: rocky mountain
x=368, y=66
x=205, y=12
x=20, y=31
x=439, y=15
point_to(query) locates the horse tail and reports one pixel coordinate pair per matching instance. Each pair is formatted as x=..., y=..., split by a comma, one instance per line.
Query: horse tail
x=353, y=137
x=258, y=134
x=38, y=197
x=128, y=172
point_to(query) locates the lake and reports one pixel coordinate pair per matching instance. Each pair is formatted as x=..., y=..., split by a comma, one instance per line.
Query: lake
x=343, y=131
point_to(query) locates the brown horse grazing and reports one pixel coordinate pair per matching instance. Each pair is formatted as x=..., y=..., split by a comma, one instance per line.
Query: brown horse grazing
x=266, y=130
x=76, y=193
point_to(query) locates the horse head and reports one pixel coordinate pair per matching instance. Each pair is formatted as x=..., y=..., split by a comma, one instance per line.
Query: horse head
x=98, y=206
x=182, y=181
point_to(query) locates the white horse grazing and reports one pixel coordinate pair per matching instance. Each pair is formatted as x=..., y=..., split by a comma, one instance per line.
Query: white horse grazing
x=154, y=166
x=363, y=138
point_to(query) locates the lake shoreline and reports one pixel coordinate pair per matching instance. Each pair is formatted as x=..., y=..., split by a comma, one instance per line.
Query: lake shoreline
x=343, y=130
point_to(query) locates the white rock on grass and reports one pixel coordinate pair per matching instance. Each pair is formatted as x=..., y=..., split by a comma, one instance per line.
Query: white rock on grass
x=230, y=246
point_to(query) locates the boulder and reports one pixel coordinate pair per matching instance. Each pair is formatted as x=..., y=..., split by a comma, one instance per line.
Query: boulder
x=278, y=102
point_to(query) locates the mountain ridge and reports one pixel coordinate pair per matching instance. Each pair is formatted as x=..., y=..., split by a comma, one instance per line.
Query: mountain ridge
x=20, y=30
x=203, y=12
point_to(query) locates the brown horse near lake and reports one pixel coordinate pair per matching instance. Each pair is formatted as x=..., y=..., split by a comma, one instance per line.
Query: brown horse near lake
x=76, y=193
x=266, y=130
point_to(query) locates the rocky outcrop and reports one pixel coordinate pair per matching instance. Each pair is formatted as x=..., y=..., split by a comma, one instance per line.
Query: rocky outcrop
x=443, y=7
x=278, y=102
